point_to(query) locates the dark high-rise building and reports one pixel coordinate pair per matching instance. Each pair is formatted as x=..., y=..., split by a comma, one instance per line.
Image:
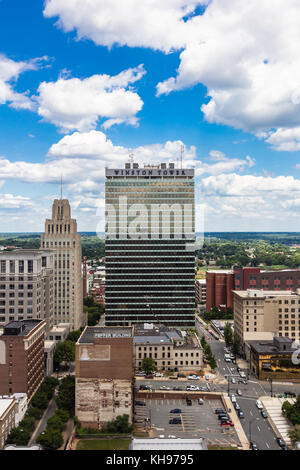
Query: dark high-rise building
x=150, y=259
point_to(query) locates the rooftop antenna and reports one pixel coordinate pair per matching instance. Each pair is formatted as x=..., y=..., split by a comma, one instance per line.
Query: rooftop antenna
x=61, y=185
x=181, y=154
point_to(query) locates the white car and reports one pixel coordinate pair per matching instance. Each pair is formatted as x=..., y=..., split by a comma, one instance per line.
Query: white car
x=172, y=437
x=233, y=380
x=164, y=388
x=233, y=398
x=227, y=359
x=193, y=377
x=192, y=388
x=259, y=405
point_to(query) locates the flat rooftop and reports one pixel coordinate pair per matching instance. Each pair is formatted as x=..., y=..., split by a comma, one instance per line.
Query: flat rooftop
x=5, y=404
x=95, y=332
x=260, y=293
x=24, y=327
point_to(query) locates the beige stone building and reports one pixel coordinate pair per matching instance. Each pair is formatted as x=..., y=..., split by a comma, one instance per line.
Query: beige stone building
x=104, y=375
x=200, y=291
x=261, y=314
x=8, y=411
x=170, y=348
x=62, y=237
x=26, y=286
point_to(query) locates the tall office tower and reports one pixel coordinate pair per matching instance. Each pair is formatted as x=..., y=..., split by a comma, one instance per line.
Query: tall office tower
x=61, y=235
x=149, y=255
x=26, y=286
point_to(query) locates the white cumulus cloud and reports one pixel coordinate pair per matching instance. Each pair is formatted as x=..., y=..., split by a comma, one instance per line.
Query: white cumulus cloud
x=75, y=104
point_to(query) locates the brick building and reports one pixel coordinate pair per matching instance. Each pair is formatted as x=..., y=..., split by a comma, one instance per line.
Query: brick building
x=220, y=284
x=22, y=357
x=104, y=375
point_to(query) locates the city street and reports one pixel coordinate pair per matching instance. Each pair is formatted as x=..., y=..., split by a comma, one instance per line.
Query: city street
x=255, y=426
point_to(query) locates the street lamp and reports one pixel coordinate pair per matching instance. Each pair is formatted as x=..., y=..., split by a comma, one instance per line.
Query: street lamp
x=271, y=385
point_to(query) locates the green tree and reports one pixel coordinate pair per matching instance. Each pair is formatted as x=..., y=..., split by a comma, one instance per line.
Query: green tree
x=40, y=400
x=294, y=434
x=74, y=335
x=18, y=436
x=64, y=352
x=148, y=365
x=55, y=423
x=236, y=346
x=50, y=439
x=120, y=425
x=63, y=415
x=213, y=363
x=66, y=395
x=228, y=335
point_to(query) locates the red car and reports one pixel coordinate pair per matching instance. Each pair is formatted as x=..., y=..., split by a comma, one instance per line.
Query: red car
x=227, y=423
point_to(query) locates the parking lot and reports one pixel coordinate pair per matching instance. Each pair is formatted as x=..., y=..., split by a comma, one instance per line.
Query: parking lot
x=196, y=420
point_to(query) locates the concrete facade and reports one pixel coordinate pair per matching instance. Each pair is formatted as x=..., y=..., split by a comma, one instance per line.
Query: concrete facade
x=257, y=312
x=26, y=286
x=8, y=410
x=168, y=347
x=62, y=237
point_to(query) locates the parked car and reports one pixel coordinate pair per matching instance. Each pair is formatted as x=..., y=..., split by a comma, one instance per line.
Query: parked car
x=150, y=376
x=188, y=402
x=192, y=388
x=227, y=423
x=176, y=410
x=237, y=406
x=140, y=374
x=175, y=421
x=193, y=377
x=181, y=376
x=259, y=404
x=140, y=403
x=164, y=387
x=223, y=417
x=200, y=401
x=241, y=414
x=254, y=446
x=233, y=380
x=227, y=359
x=233, y=398
x=219, y=410
x=281, y=443
x=238, y=369
x=171, y=436
x=158, y=374
x=264, y=414
x=239, y=392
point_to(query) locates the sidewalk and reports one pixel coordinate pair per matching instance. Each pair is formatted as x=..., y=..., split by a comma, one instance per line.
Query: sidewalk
x=37, y=430
x=237, y=424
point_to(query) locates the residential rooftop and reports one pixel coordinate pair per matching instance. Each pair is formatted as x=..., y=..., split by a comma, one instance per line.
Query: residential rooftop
x=20, y=328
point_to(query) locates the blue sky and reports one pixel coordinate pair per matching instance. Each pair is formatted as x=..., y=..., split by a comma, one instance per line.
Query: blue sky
x=79, y=92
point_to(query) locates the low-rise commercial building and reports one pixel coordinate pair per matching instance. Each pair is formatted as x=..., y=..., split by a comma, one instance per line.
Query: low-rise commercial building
x=104, y=375
x=274, y=359
x=170, y=348
x=22, y=357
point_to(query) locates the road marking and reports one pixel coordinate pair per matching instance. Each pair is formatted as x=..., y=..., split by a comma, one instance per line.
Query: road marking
x=258, y=428
x=267, y=445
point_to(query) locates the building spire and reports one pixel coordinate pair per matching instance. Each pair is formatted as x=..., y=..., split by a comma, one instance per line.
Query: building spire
x=61, y=186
